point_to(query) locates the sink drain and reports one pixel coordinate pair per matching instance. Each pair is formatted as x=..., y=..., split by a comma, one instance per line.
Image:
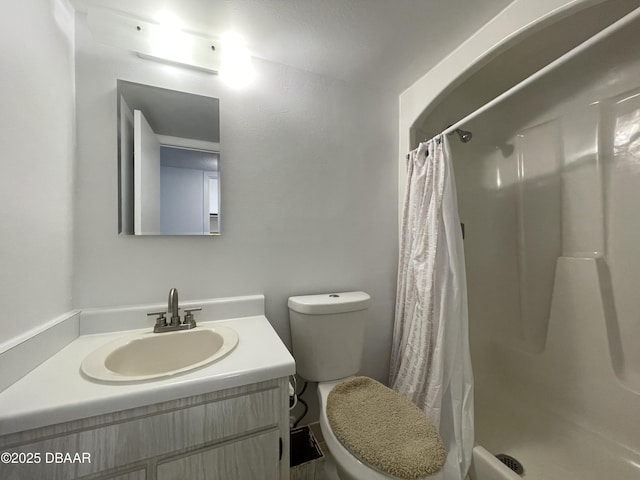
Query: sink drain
x=511, y=462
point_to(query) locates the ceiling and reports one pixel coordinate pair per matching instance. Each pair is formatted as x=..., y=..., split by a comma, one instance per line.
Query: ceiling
x=176, y=114
x=385, y=44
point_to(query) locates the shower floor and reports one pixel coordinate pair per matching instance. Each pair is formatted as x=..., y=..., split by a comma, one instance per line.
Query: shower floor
x=549, y=446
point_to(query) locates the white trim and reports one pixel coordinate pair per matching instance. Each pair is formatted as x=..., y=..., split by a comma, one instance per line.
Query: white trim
x=188, y=143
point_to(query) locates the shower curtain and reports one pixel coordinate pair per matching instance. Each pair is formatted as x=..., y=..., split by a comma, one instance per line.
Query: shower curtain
x=430, y=360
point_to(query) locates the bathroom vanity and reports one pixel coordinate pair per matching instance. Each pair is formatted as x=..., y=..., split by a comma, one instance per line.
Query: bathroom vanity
x=228, y=419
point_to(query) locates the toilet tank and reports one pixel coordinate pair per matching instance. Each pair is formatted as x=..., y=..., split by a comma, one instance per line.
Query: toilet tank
x=327, y=332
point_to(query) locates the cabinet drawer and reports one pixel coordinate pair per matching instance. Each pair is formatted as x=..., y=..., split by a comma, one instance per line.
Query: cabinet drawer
x=149, y=436
x=248, y=458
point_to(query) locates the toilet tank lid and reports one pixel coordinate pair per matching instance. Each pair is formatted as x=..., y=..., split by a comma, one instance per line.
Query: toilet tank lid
x=329, y=303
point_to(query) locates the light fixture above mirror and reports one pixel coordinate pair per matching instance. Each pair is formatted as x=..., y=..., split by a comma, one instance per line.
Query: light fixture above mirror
x=164, y=40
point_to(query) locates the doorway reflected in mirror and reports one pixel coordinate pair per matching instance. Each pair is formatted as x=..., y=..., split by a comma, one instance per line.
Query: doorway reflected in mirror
x=169, y=161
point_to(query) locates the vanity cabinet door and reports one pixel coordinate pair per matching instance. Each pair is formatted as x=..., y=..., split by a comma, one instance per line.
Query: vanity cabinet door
x=248, y=458
x=231, y=434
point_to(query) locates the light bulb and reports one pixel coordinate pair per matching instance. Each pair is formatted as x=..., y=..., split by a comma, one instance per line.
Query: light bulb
x=236, y=69
x=167, y=39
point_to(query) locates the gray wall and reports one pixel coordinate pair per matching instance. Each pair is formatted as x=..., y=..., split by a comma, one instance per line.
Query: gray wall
x=308, y=185
x=36, y=170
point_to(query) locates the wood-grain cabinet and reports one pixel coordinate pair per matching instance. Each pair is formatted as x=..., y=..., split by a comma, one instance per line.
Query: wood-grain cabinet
x=235, y=434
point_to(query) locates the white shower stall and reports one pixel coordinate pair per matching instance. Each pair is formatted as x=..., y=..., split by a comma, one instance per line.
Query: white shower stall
x=549, y=194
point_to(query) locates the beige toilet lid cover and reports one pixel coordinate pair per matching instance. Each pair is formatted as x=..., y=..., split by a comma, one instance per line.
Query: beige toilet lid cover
x=384, y=429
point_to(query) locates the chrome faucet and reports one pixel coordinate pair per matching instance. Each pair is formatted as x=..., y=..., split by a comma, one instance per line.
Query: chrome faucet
x=174, y=321
x=172, y=307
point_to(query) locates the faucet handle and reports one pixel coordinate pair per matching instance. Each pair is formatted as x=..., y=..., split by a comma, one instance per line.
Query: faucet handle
x=188, y=317
x=161, y=321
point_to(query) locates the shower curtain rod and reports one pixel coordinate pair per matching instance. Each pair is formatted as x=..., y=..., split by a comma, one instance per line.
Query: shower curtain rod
x=574, y=52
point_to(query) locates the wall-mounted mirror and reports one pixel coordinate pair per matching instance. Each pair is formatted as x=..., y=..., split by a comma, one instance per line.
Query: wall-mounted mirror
x=168, y=161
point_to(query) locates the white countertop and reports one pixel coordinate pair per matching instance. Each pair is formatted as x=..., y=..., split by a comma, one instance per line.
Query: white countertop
x=56, y=391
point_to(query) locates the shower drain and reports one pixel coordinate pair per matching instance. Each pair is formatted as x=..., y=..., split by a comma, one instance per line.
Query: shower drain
x=511, y=462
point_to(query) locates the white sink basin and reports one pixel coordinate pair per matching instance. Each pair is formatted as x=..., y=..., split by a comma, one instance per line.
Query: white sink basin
x=146, y=356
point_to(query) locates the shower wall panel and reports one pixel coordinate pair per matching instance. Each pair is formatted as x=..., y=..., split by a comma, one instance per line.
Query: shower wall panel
x=623, y=230
x=582, y=198
x=539, y=226
x=487, y=185
x=549, y=191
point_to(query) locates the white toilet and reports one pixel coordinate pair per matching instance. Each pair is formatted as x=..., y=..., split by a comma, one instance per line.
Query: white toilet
x=328, y=337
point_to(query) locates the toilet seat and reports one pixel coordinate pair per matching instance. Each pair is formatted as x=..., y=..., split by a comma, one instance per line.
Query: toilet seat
x=346, y=462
